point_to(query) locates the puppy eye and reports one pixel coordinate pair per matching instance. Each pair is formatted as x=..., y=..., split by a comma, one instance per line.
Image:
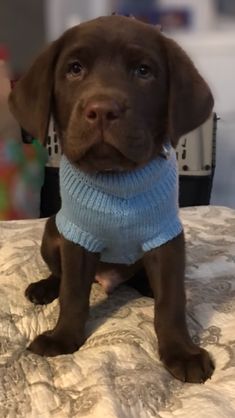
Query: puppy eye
x=143, y=71
x=75, y=69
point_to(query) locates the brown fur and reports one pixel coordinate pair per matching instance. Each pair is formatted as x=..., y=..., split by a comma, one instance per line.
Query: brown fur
x=110, y=117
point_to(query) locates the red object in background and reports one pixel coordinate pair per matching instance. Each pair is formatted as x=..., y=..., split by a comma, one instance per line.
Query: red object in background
x=4, y=53
x=5, y=56
x=21, y=166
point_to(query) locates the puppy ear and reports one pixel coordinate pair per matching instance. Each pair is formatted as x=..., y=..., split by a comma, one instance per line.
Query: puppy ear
x=30, y=100
x=190, y=98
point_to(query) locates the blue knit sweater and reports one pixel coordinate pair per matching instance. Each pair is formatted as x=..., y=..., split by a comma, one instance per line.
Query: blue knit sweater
x=120, y=215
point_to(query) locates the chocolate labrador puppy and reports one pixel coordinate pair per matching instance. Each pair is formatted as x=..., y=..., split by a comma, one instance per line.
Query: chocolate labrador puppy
x=121, y=95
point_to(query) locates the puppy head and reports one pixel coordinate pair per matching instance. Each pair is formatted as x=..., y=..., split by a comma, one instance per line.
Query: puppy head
x=117, y=89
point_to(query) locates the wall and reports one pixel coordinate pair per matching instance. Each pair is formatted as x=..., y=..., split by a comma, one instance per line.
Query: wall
x=22, y=29
x=62, y=14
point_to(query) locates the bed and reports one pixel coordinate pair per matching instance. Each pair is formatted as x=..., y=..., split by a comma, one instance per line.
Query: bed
x=117, y=373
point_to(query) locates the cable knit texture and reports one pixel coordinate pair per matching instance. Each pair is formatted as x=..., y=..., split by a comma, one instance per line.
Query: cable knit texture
x=120, y=215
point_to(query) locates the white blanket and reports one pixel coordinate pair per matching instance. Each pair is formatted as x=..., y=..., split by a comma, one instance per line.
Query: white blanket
x=117, y=373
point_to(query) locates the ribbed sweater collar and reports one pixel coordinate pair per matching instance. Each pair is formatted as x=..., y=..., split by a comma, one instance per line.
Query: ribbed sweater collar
x=119, y=184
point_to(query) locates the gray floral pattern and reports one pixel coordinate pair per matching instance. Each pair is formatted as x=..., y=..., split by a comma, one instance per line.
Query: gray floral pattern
x=117, y=373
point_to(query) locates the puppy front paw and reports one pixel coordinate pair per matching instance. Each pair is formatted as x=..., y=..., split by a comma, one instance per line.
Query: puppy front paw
x=50, y=345
x=43, y=292
x=189, y=367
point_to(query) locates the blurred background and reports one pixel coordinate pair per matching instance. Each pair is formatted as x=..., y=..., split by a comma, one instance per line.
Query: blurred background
x=205, y=29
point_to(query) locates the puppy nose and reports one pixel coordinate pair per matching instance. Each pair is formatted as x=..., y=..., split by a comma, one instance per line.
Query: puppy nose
x=102, y=111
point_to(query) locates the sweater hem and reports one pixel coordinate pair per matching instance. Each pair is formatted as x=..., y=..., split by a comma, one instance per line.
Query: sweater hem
x=161, y=239
x=75, y=234
x=90, y=243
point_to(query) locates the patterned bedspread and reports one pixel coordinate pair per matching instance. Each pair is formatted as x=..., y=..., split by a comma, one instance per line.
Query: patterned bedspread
x=117, y=373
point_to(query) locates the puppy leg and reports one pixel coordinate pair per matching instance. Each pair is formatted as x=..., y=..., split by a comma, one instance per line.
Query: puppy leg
x=165, y=269
x=46, y=290
x=78, y=271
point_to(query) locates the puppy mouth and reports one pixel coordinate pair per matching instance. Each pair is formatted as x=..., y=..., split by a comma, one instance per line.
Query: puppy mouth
x=105, y=158
x=101, y=151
